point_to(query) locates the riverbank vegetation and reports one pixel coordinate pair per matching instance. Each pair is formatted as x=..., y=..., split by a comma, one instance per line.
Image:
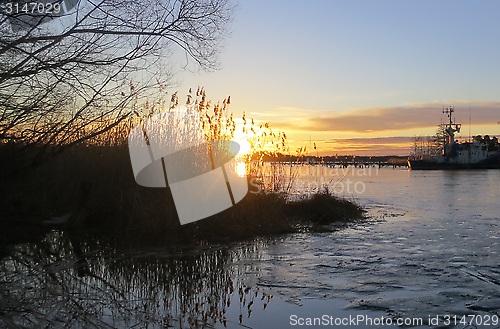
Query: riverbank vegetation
x=92, y=185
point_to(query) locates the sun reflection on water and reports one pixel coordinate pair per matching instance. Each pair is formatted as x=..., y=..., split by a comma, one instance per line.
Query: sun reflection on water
x=241, y=169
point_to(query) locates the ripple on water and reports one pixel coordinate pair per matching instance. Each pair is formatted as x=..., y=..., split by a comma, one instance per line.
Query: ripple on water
x=423, y=252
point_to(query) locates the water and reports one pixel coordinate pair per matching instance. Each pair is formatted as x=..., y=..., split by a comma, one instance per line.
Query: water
x=428, y=255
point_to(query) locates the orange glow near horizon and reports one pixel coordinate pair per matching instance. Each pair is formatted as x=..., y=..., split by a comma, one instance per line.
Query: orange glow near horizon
x=364, y=132
x=379, y=143
x=374, y=130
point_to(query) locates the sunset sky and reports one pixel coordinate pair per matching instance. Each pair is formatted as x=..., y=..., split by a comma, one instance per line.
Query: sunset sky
x=360, y=77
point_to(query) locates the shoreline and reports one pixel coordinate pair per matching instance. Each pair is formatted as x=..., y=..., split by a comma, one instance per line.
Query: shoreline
x=93, y=187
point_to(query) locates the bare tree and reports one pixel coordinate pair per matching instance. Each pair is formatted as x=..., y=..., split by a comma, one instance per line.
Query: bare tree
x=67, y=77
x=439, y=140
x=429, y=145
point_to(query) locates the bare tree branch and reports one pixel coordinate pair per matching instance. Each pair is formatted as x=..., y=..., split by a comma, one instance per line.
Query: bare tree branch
x=61, y=79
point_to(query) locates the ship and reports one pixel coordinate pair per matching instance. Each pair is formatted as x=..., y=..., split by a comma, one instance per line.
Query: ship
x=478, y=153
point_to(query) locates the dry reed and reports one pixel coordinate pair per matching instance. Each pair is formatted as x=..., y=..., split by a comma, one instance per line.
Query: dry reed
x=117, y=203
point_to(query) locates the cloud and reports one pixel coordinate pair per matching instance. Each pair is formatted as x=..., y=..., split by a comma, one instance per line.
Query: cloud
x=371, y=146
x=416, y=115
x=373, y=142
x=378, y=141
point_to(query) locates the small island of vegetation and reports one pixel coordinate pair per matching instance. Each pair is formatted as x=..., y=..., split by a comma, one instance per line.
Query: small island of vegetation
x=91, y=185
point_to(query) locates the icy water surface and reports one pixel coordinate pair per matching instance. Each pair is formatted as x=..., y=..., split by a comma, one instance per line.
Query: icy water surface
x=427, y=257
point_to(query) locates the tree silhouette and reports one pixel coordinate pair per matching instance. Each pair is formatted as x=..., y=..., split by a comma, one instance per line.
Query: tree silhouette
x=68, y=77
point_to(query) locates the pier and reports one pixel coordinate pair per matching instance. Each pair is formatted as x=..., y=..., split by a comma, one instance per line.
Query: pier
x=344, y=161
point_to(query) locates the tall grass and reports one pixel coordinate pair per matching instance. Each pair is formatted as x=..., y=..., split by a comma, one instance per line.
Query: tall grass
x=115, y=202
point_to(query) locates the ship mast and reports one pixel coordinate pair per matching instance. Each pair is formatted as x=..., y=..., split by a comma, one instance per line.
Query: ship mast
x=451, y=128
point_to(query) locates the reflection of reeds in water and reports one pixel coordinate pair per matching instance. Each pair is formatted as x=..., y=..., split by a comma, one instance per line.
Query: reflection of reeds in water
x=41, y=285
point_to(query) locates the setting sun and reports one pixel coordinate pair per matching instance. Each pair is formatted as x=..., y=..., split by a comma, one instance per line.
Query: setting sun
x=245, y=147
